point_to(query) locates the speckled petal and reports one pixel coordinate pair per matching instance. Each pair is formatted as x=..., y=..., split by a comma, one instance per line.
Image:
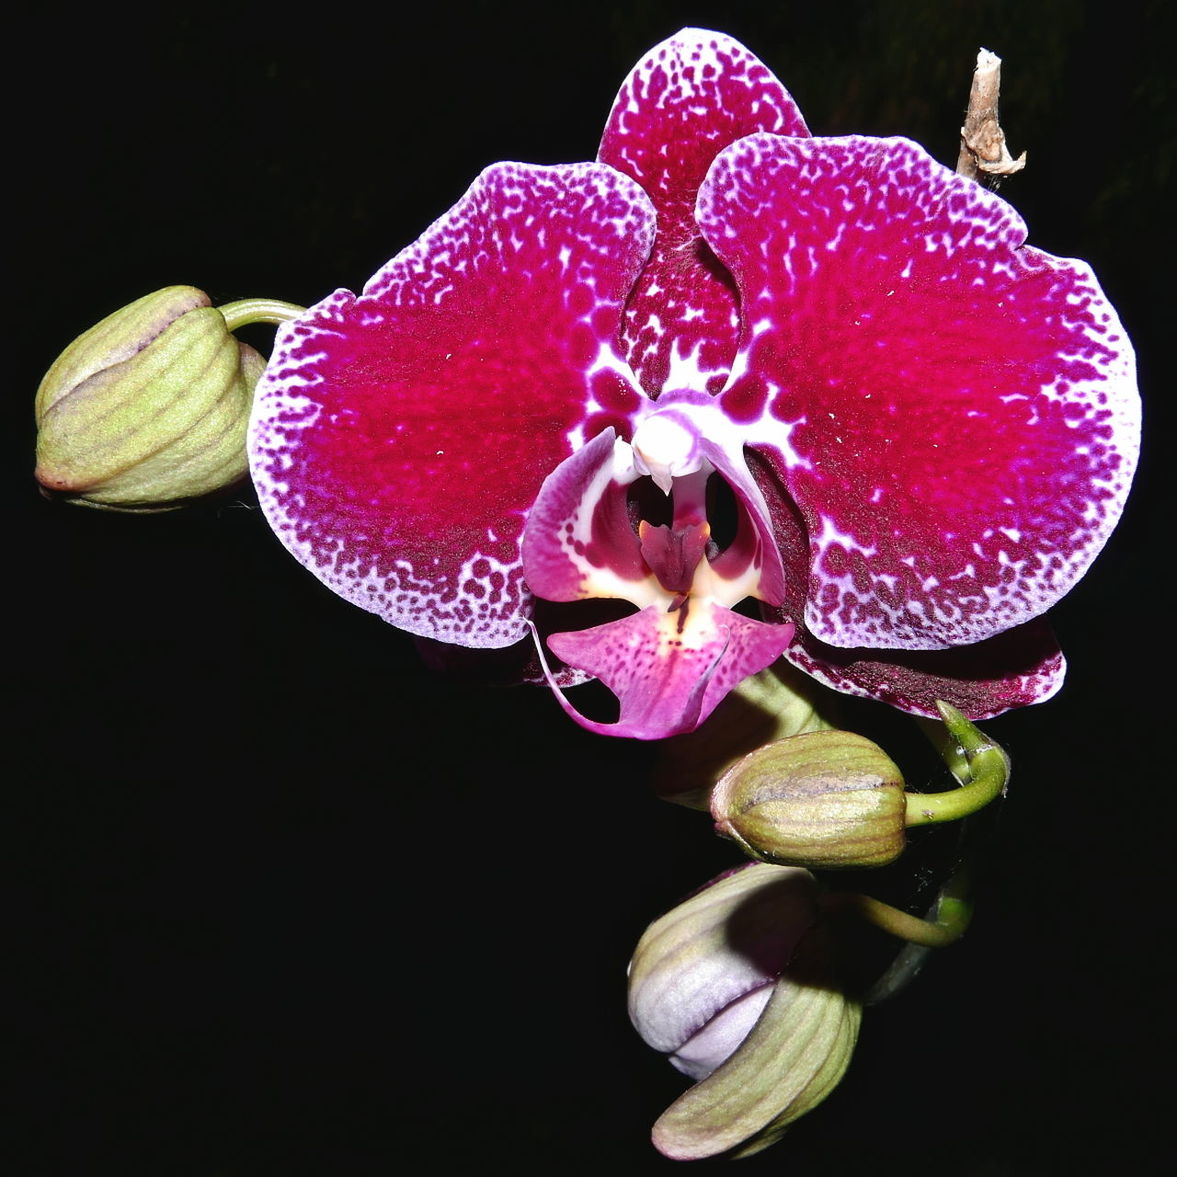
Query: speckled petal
x=399, y=438
x=686, y=100
x=669, y=670
x=962, y=408
x=1021, y=666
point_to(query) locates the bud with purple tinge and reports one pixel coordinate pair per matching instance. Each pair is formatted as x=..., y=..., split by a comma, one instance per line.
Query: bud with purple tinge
x=739, y=986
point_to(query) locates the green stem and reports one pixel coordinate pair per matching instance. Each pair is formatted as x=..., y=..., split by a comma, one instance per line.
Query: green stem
x=947, y=747
x=983, y=778
x=950, y=917
x=258, y=310
x=952, y=907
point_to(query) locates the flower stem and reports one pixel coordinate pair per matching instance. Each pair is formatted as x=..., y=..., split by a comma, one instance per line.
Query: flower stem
x=983, y=151
x=950, y=917
x=258, y=310
x=951, y=909
x=983, y=774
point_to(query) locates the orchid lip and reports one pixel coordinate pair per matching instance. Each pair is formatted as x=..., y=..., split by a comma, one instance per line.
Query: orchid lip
x=672, y=662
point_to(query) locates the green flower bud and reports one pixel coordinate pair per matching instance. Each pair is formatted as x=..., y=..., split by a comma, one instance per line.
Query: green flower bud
x=824, y=799
x=149, y=408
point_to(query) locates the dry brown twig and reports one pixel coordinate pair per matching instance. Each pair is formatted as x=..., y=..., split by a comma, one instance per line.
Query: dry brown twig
x=983, y=151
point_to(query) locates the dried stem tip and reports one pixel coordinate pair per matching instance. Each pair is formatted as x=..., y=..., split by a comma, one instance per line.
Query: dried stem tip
x=983, y=150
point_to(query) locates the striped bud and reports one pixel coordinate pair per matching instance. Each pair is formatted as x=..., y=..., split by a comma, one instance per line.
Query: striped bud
x=825, y=799
x=147, y=409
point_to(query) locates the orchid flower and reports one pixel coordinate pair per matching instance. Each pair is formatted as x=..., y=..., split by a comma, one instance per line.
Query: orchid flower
x=782, y=395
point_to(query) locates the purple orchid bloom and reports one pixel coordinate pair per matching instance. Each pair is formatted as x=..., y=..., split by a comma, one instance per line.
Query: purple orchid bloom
x=785, y=395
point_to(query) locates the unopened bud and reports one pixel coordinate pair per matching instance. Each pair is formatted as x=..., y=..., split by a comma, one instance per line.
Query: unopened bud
x=743, y=992
x=825, y=799
x=148, y=409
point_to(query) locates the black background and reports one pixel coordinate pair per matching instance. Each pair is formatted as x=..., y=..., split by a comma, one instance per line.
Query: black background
x=286, y=902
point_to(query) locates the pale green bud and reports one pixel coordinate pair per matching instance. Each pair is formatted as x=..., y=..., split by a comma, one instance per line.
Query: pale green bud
x=824, y=799
x=148, y=409
x=794, y=1056
x=743, y=993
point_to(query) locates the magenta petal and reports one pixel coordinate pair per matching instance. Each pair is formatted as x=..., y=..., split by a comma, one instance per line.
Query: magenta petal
x=399, y=438
x=962, y=409
x=1021, y=666
x=669, y=670
x=1014, y=669
x=686, y=100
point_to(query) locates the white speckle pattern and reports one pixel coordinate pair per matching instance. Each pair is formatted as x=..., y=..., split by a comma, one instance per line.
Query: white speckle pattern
x=965, y=407
x=384, y=442
x=688, y=98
